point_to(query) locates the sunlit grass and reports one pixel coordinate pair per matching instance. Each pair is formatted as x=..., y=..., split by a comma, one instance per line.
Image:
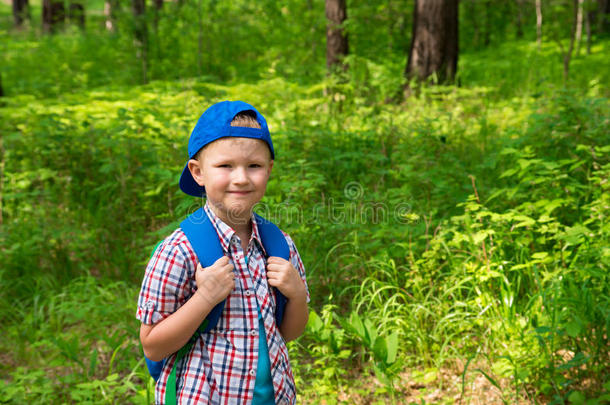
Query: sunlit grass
x=498, y=259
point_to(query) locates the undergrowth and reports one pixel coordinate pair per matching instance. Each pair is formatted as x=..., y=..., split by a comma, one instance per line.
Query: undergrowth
x=466, y=225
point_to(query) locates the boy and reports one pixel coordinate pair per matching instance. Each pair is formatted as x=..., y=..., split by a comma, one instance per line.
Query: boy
x=244, y=358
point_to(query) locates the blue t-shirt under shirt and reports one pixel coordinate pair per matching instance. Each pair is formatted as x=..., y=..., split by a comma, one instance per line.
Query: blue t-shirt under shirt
x=263, y=386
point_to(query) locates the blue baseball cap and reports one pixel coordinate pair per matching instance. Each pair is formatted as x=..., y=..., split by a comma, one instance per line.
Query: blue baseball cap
x=215, y=123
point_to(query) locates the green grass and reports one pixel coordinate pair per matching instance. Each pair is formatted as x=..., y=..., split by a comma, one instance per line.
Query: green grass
x=461, y=231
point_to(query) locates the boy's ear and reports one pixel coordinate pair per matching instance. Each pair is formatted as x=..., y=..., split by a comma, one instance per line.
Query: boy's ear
x=196, y=169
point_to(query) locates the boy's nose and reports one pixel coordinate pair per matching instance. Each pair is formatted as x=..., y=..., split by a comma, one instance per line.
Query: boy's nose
x=239, y=175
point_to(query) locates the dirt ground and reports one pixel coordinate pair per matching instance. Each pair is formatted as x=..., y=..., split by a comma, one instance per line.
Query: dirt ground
x=444, y=387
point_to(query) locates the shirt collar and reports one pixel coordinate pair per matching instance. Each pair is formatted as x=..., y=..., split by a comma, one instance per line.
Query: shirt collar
x=226, y=233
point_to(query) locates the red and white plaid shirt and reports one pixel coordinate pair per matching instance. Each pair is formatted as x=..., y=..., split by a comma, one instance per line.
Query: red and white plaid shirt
x=221, y=366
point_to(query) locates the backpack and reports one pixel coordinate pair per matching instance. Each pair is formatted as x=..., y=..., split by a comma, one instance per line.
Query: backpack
x=203, y=238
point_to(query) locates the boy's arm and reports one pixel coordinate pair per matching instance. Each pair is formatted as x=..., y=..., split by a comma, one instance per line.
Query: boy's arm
x=283, y=275
x=295, y=319
x=214, y=284
x=169, y=335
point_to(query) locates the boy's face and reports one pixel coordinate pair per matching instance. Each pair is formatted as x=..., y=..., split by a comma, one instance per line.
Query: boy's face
x=234, y=172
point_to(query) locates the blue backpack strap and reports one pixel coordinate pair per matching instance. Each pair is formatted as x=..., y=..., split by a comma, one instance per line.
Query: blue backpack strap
x=154, y=367
x=203, y=238
x=275, y=244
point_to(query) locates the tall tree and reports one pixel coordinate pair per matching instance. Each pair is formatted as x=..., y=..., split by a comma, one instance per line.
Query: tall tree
x=539, y=23
x=434, y=43
x=487, y=25
x=53, y=15
x=21, y=12
x=567, y=53
x=110, y=12
x=76, y=13
x=588, y=18
x=336, y=37
x=579, y=23
x=603, y=9
x=519, y=21
x=158, y=8
x=141, y=34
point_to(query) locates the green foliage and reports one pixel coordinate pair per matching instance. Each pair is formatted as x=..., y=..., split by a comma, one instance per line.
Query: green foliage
x=81, y=343
x=468, y=223
x=328, y=346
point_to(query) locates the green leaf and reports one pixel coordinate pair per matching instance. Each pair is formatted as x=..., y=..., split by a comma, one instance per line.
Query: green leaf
x=573, y=328
x=371, y=332
x=344, y=354
x=315, y=323
x=92, y=362
x=425, y=377
x=577, y=398
x=392, y=346
x=489, y=378
x=509, y=172
x=380, y=351
x=357, y=324
x=524, y=221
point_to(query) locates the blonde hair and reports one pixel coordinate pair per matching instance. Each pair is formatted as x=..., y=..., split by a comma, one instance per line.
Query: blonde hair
x=243, y=119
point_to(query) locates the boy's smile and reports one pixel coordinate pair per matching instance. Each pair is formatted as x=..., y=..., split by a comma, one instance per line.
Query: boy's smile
x=234, y=172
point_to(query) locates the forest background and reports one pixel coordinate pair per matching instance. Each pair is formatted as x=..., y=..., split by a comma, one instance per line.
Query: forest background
x=453, y=221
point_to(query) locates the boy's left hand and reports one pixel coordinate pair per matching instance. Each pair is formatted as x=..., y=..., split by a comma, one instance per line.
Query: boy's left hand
x=282, y=275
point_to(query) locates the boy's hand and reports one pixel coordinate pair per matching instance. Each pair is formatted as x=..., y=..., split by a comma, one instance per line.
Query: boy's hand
x=216, y=282
x=282, y=275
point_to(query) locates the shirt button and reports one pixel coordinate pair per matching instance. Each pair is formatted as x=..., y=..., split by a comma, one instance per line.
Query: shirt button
x=253, y=372
x=253, y=332
x=248, y=293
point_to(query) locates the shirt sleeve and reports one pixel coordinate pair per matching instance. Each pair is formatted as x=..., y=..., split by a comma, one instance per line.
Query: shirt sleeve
x=168, y=282
x=295, y=260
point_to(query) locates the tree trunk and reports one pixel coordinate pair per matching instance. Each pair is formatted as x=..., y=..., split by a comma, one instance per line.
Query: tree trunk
x=588, y=30
x=21, y=12
x=539, y=23
x=158, y=7
x=474, y=21
x=579, y=20
x=336, y=38
x=487, y=36
x=603, y=25
x=519, y=19
x=434, y=43
x=110, y=10
x=567, y=57
x=76, y=14
x=53, y=15
x=141, y=34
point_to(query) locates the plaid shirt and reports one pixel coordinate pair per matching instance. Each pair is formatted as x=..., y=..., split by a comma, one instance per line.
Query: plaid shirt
x=221, y=366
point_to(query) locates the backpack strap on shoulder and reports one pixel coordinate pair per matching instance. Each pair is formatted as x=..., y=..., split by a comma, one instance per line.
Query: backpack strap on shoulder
x=204, y=240
x=275, y=244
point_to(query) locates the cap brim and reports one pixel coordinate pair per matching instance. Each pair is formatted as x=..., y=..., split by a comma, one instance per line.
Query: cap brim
x=189, y=185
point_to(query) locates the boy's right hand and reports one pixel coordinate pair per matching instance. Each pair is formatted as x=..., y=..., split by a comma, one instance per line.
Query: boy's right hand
x=216, y=282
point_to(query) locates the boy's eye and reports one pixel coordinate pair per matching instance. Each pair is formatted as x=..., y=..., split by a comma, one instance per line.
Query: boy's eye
x=255, y=165
x=224, y=165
